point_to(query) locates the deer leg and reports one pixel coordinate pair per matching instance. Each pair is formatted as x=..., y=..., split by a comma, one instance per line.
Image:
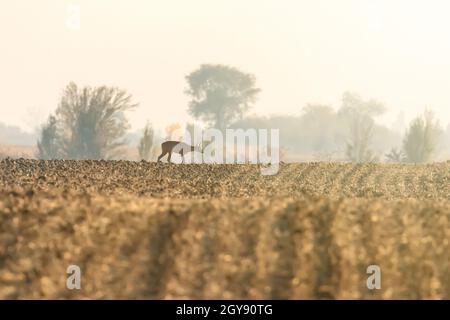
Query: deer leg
x=162, y=155
x=170, y=155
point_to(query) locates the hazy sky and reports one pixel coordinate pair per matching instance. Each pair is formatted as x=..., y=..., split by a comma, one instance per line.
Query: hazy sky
x=300, y=51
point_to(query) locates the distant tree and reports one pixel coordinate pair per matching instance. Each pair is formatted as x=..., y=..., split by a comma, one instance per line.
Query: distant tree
x=447, y=140
x=359, y=116
x=48, y=143
x=399, y=125
x=422, y=137
x=90, y=122
x=322, y=133
x=318, y=128
x=220, y=94
x=395, y=156
x=146, y=142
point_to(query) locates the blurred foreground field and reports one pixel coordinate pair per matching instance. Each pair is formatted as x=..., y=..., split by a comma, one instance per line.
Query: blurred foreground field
x=144, y=230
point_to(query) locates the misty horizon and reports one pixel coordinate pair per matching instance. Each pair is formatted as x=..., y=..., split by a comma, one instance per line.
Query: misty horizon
x=300, y=52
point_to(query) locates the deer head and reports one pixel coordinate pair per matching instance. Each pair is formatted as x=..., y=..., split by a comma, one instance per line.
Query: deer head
x=197, y=148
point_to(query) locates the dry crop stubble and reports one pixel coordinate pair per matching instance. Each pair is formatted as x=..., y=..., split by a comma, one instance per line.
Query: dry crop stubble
x=145, y=230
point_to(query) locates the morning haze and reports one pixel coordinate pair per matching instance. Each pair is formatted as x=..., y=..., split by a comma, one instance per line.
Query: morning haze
x=319, y=167
x=300, y=52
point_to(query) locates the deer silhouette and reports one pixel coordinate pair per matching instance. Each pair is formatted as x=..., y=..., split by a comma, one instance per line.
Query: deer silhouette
x=169, y=147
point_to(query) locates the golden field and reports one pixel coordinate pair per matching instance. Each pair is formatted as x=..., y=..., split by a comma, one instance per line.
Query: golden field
x=142, y=230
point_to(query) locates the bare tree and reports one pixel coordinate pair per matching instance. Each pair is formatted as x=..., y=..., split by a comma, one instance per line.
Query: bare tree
x=146, y=142
x=395, y=156
x=90, y=122
x=359, y=117
x=48, y=144
x=358, y=146
x=422, y=137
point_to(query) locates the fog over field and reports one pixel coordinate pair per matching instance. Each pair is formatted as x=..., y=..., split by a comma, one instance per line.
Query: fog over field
x=300, y=52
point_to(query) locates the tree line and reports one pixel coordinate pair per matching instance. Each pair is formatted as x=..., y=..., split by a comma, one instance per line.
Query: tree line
x=91, y=122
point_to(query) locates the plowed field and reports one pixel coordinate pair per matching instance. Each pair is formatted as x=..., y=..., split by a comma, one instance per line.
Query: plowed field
x=142, y=230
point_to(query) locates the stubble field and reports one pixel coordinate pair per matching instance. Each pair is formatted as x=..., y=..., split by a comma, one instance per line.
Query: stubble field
x=142, y=230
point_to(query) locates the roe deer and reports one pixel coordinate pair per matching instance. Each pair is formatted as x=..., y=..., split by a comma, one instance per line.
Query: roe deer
x=178, y=147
